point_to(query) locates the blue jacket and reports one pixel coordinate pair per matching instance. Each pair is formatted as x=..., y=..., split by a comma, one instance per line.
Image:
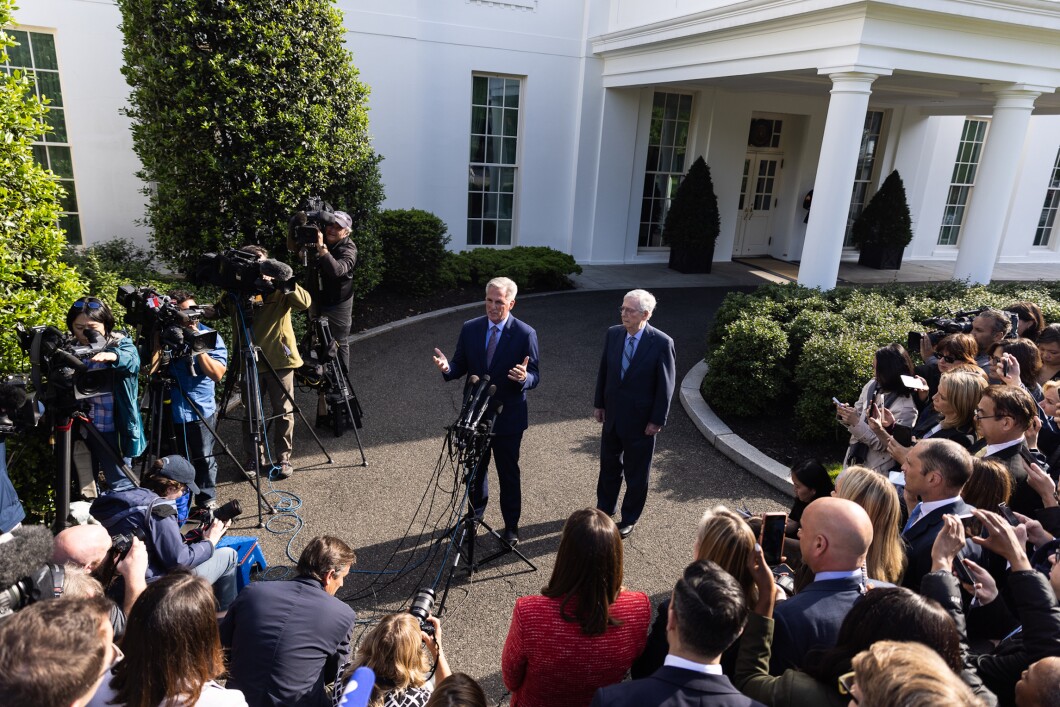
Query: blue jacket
x=141, y=509
x=129, y=427
x=644, y=394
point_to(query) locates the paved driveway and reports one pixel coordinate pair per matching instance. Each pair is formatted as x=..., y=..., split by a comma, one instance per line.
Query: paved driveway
x=408, y=406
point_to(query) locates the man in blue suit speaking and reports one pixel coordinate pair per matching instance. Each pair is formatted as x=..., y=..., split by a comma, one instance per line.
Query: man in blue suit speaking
x=633, y=391
x=501, y=346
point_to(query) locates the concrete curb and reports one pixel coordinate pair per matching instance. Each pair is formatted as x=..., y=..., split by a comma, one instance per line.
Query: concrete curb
x=724, y=439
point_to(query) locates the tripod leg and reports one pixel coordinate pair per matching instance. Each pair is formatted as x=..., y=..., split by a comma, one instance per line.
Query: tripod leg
x=347, y=394
x=103, y=446
x=297, y=410
x=64, y=449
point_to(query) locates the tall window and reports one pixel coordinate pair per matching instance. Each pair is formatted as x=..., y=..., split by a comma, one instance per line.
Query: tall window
x=1044, y=231
x=870, y=140
x=964, y=169
x=671, y=115
x=493, y=161
x=35, y=56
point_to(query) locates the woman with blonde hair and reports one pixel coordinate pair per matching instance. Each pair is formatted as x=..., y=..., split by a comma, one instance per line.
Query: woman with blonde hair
x=872, y=491
x=394, y=652
x=722, y=537
x=904, y=674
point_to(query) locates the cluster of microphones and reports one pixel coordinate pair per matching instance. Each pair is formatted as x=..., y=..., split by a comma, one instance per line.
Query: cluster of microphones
x=469, y=425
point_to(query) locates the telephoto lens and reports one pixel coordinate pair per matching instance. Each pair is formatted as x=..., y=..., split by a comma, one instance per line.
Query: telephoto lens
x=228, y=511
x=421, y=609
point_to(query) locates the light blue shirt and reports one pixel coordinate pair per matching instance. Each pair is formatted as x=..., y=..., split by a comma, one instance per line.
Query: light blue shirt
x=500, y=330
x=200, y=388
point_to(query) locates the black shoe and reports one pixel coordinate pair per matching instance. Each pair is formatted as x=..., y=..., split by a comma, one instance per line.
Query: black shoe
x=510, y=536
x=625, y=530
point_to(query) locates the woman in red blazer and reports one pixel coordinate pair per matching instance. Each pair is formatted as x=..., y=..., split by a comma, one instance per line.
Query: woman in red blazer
x=584, y=630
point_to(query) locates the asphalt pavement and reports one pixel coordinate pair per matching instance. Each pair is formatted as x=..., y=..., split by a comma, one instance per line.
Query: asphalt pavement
x=387, y=509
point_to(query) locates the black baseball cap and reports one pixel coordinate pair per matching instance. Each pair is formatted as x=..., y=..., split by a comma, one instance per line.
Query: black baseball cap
x=178, y=468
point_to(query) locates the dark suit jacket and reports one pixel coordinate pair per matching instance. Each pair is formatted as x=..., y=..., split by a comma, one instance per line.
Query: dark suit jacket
x=674, y=687
x=1025, y=500
x=919, y=539
x=287, y=639
x=644, y=394
x=518, y=340
x=811, y=619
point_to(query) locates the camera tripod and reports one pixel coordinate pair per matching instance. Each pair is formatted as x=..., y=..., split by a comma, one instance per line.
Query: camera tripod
x=65, y=425
x=467, y=441
x=162, y=430
x=250, y=391
x=334, y=382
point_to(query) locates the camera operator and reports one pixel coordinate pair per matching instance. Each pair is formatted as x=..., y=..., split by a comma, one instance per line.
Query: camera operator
x=152, y=510
x=116, y=415
x=196, y=378
x=273, y=332
x=330, y=262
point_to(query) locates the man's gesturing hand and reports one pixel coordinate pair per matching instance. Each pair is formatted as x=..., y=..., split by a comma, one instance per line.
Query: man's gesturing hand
x=441, y=361
x=518, y=372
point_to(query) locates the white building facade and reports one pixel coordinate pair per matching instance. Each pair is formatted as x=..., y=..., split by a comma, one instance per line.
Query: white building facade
x=569, y=124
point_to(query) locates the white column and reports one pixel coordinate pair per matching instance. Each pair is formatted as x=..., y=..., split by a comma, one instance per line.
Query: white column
x=834, y=182
x=984, y=220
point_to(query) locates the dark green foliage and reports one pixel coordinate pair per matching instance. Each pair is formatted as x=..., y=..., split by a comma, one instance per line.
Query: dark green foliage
x=414, y=249
x=693, y=223
x=747, y=372
x=360, y=194
x=829, y=340
x=885, y=219
x=239, y=111
x=534, y=268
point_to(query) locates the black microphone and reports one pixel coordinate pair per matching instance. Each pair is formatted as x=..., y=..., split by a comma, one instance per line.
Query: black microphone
x=468, y=390
x=488, y=427
x=482, y=408
x=466, y=420
x=21, y=557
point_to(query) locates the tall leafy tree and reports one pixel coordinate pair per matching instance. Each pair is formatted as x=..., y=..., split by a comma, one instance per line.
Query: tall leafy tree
x=36, y=287
x=240, y=109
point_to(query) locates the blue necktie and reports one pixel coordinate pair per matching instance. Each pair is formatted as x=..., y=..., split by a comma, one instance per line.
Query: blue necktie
x=491, y=346
x=913, y=517
x=627, y=357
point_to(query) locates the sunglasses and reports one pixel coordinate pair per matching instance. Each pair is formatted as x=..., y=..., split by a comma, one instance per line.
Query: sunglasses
x=846, y=684
x=946, y=358
x=89, y=302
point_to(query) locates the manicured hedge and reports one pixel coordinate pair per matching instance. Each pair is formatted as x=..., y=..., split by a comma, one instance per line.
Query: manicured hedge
x=784, y=346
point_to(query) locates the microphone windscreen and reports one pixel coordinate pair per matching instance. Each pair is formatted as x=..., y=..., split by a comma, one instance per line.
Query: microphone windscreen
x=472, y=380
x=276, y=270
x=21, y=556
x=12, y=397
x=491, y=390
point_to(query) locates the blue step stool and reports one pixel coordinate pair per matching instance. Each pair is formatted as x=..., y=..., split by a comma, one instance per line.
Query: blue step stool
x=248, y=553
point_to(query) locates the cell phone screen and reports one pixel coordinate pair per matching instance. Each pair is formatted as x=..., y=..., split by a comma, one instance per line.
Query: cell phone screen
x=1027, y=456
x=772, y=538
x=1008, y=514
x=963, y=575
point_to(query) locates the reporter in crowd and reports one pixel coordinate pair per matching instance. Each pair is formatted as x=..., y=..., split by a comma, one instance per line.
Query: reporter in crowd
x=273, y=332
x=1048, y=415
x=1030, y=322
x=885, y=389
x=1004, y=415
x=890, y=673
x=884, y=613
x=172, y=652
x=329, y=279
x=288, y=640
x=1023, y=361
x=196, y=378
x=886, y=559
x=457, y=690
x=988, y=485
x=151, y=510
x=115, y=414
x=1039, y=686
x=82, y=581
x=951, y=351
x=1032, y=635
x=707, y=613
x=583, y=610
x=988, y=328
x=723, y=537
x=394, y=652
x=55, y=653
x=1049, y=349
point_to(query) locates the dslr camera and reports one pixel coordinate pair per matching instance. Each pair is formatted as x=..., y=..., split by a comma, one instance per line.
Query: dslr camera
x=206, y=516
x=421, y=608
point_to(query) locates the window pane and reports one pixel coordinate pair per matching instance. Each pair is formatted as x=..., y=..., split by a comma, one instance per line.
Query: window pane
x=61, y=163
x=478, y=120
x=71, y=223
x=494, y=121
x=496, y=91
x=19, y=55
x=476, y=178
x=479, y=85
x=478, y=148
x=489, y=205
x=474, y=232
x=40, y=154
x=511, y=123
x=653, y=157
x=48, y=84
x=68, y=202
x=505, y=205
x=511, y=93
x=507, y=179
x=508, y=156
x=504, y=233
x=474, y=204
x=44, y=51
x=489, y=233
x=57, y=119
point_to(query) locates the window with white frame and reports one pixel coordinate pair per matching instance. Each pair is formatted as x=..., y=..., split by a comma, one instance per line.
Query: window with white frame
x=1043, y=234
x=494, y=159
x=34, y=55
x=671, y=117
x=863, y=175
x=964, y=168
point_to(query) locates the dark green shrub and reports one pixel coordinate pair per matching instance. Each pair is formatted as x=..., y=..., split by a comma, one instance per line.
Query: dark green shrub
x=830, y=366
x=413, y=249
x=534, y=268
x=693, y=223
x=747, y=372
x=885, y=220
x=360, y=193
x=737, y=306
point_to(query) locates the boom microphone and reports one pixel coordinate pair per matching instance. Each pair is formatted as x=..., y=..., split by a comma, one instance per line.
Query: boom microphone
x=276, y=270
x=12, y=397
x=21, y=556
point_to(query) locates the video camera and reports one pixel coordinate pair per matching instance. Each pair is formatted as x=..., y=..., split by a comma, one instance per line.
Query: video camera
x=178, y=329
x=26, y=576
x=17, y=411
x=59, y=365
x=311, y=219
x=954, y=323
x=242, y=272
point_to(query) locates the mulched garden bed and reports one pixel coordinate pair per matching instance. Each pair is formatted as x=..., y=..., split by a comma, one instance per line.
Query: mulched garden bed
x=775, y=436
x=383, y=306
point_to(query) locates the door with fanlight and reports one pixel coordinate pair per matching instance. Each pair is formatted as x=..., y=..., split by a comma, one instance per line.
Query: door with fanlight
x=758, y=201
